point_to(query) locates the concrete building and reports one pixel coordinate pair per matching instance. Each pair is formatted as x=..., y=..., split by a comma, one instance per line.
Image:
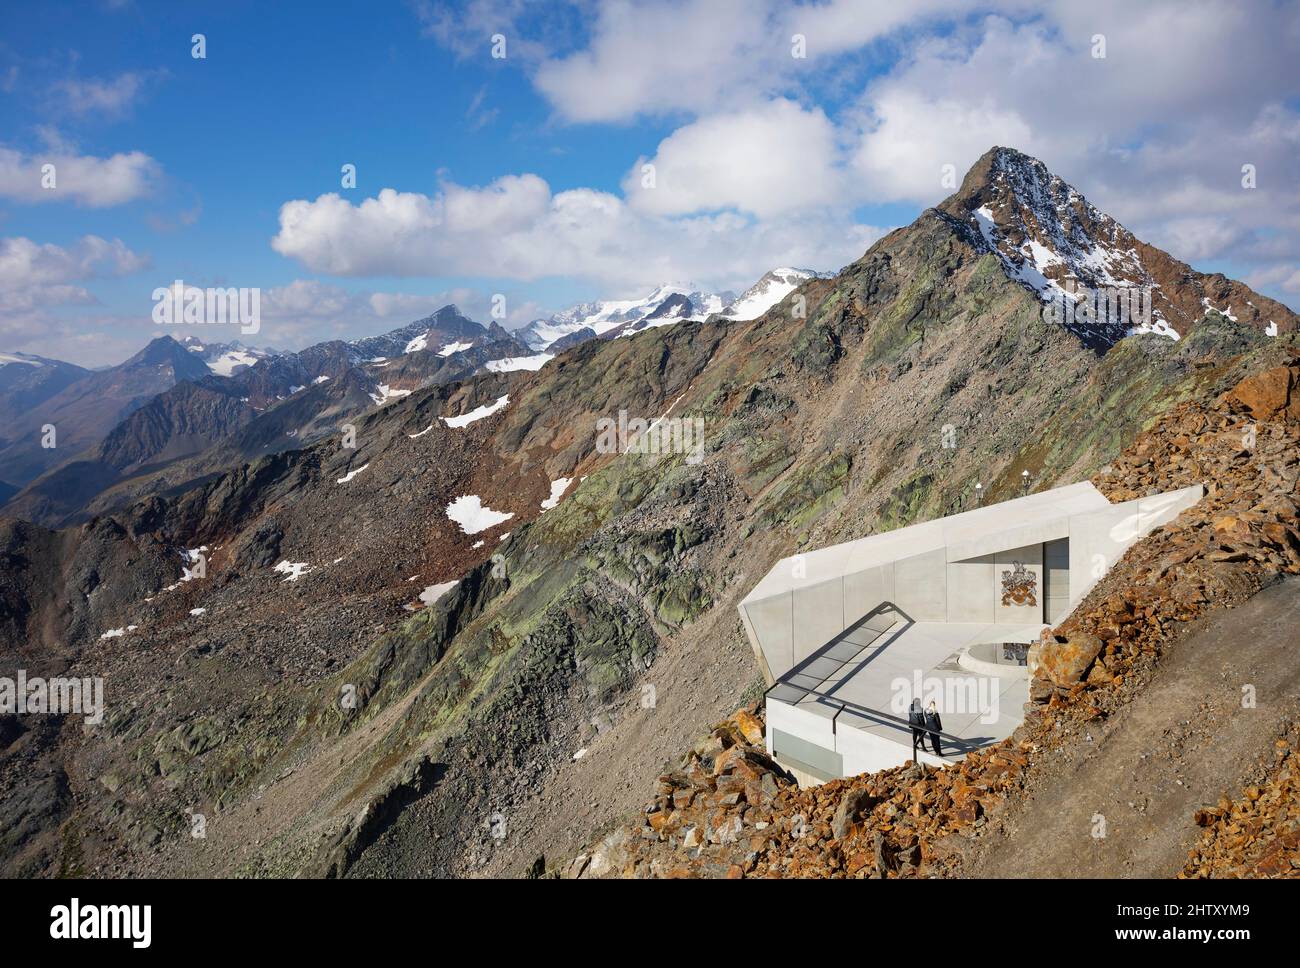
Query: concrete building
x=942, y=610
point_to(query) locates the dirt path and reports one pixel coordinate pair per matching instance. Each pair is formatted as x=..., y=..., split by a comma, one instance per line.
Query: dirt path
x=1186, y=741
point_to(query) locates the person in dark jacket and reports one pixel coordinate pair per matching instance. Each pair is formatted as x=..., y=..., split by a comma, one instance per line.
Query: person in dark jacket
x=916, y=716
x=933, y=723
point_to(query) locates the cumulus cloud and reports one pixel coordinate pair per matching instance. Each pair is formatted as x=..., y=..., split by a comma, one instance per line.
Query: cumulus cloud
x=96, y=182
x=27, y=263
x=652, y=58
x=516, y=228
x=771, y=159
x=36, y=280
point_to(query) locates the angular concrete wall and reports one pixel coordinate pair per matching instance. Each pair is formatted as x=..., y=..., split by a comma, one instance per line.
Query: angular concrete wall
x=956, y=582
x=864, y=590
x=969, y=582
x=818, y=616
x=770, y=622
x=1099, y=539
x=921, y=586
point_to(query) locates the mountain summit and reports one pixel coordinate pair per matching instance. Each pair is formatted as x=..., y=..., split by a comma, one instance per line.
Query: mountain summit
x=1053, y=240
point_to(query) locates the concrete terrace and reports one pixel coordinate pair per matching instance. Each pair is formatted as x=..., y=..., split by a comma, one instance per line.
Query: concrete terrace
x=848, y=635
x=860, y=673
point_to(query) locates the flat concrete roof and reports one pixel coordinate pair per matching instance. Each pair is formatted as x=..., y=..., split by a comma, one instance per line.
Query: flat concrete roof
x=996, y=527
x=864, y=678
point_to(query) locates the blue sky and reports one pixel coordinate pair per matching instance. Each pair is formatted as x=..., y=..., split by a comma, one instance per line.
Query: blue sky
x=520, y=175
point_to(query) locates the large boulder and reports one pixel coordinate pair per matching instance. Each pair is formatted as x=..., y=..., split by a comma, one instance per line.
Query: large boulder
x=1065, y=663
x=1273, y=394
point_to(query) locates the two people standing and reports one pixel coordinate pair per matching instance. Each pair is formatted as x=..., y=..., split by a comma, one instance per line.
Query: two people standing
x=925, y=722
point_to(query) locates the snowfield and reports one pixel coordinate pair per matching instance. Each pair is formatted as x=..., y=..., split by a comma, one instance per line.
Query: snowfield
x=510, y=364
x=478, y=413
x=470, y=513
x=224, y=365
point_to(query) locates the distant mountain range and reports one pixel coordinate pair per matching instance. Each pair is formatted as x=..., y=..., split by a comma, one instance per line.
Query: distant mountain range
x=187, y=407
x=667, y=304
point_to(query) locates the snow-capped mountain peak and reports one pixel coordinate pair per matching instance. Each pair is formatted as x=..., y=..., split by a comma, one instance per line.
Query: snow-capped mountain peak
x=768, y=291
x=1052, y=240
x=667, y=304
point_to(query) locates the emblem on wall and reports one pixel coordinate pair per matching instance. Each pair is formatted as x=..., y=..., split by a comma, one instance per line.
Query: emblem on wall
x=1019, y=586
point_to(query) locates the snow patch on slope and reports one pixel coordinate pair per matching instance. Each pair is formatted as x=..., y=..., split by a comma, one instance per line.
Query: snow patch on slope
x=473, y=516
x=510, y=364
x=478, y=413
x=557, y=491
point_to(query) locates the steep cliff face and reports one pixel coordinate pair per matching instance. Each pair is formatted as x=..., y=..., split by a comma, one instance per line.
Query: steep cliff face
x=484, y=622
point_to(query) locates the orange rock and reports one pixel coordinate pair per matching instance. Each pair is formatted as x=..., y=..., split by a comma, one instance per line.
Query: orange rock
x=1268, y=395
x=749, y=725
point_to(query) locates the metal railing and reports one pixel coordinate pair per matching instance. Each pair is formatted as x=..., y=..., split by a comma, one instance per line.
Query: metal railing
x=879, y=716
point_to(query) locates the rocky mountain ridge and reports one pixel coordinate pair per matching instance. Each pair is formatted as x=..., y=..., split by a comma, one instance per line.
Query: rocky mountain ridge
x=1054, y=241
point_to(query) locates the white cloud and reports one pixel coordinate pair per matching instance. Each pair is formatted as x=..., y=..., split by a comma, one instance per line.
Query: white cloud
x=84, y=179
x=515, y=228
x=100, y=96
x=774, y=158
x=910, y=139
x=35, y=276
x=27, y=263
x=661, y=57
